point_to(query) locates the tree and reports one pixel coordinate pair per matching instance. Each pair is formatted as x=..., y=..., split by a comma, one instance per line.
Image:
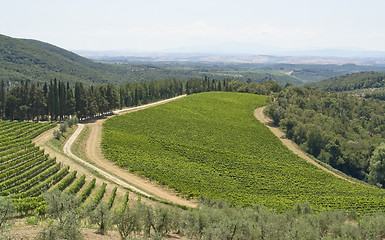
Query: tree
x=62, y=100
x=65, y=210
x=127, y=221
x=63, y=127
x=70, y=101
x=2, y=99
x=80, y=101
x=57, y=134
x=56, y=100
x=377, y=166
x=101, y=216
x=7, y=211
x=50, y=101
x=315, y=140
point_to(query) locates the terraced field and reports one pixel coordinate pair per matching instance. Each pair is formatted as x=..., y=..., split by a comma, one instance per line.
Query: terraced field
x=210, y=144
x=26, y=173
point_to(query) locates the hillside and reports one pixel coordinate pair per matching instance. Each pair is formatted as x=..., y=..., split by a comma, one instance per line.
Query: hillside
x=210, y=144
x=32, y=60
x=354, y=81
x=24, y=59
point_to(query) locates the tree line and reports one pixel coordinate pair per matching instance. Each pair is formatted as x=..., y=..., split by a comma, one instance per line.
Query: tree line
x=65, y=215
x=57, y=100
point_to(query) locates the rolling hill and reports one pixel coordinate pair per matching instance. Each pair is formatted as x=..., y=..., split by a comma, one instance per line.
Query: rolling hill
x=210, y=144
x=351, y=82
x=364, y=84
x=25, y=59
x=22, y=59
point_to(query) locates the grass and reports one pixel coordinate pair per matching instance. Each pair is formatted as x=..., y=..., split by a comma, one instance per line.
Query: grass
x=210, y=144
x=80, y=144
x=58, y=144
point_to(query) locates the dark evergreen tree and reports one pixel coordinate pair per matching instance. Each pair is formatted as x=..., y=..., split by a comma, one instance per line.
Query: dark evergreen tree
x=81, y=101
x=2, y=98
x=69, y=102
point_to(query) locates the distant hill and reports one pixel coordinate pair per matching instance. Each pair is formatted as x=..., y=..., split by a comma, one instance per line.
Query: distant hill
x=351, y=82
x=22, y=59
x=25, y=59
x=364, y=84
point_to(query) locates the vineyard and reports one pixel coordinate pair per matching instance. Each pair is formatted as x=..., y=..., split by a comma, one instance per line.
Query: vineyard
x=210, y=144
x=26, y=173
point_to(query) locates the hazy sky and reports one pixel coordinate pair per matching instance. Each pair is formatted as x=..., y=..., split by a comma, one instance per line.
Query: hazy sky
x=163, y=24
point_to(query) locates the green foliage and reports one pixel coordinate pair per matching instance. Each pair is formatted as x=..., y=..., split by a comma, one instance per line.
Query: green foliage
x=66, y=181
x=377, y=166
x=87, y=191
x=101, y=216
x=59, y=203
x=25, y=171
x=337, y=128
x=127, y=221
x=63, y=127
x=57, y=134
x=97, y=198
x=211, y=144
x=33, y=60
x=72, y=121
x=65, y=213
x=77, y=185
x=354, y=81
x=7, y=211
x=125, y=202
x=112, y=198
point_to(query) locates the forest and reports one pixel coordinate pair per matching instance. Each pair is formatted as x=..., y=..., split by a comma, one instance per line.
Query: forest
x=337, y=128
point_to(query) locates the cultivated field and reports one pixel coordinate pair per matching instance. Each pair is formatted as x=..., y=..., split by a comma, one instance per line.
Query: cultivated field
x=26, y=173
x=210, y=144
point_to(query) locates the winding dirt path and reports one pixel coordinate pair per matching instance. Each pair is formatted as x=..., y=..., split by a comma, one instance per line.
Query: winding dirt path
x=137, y=183
x=258, y=113
x=67, y=150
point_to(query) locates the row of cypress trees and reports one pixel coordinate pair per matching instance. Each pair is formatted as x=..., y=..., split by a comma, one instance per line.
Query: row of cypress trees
x=57, y=100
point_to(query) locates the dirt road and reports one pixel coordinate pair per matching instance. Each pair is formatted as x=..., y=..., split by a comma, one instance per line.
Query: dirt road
x=136, y=183
x=258, y=113
x=67, y=150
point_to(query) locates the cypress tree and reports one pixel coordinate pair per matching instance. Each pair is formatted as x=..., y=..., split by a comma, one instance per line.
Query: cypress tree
x=2, y=99
x=56, y=99
x=50, y=101
x=70, y=101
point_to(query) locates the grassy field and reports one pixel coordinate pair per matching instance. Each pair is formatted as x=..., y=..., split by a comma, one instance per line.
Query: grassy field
x=210, y=144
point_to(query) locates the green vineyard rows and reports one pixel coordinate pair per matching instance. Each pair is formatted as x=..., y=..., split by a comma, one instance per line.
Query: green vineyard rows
x=26, y=173
x=210, y=144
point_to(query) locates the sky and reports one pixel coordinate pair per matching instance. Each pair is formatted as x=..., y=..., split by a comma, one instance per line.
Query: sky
x=155, y=25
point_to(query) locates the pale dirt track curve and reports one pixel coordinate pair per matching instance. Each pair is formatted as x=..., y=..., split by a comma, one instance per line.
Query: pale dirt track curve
x=258, y=113
x=138, y=184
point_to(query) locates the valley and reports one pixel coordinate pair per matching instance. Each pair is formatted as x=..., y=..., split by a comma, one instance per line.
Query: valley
x=188, y=150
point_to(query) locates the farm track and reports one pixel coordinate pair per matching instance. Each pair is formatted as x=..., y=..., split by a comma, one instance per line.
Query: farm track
x=106, y=167
x=258, y=113
x=94, y=153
